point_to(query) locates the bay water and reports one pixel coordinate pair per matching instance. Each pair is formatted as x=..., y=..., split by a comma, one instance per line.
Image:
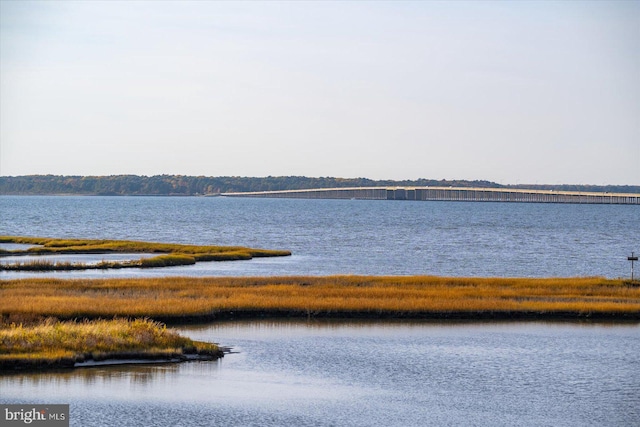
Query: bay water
x=375, y=237
x=348, y=374
x=337, y=373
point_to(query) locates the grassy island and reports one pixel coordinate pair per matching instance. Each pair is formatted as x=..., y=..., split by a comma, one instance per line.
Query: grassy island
x=180, y=299
x=168, y=254
x=78, y=334
x=55, y=344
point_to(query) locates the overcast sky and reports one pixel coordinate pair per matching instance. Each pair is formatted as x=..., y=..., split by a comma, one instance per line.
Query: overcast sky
x=512, y=92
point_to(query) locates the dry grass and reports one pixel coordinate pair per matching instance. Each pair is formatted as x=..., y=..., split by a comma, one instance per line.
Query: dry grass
x=173, y=254
x=64, y=343
x=169, y=298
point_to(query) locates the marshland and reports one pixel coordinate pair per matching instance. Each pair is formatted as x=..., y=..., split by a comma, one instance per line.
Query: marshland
x=170, y=254
x=360, y=325
x=177, y=299
x=54, y=344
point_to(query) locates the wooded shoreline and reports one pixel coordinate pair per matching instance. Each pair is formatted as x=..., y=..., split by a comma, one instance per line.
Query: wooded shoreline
x=181, y=185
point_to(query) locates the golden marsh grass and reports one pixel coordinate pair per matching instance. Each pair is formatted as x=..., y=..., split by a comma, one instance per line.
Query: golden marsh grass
x=175, y=298
x=171, y=254
x=64, y=343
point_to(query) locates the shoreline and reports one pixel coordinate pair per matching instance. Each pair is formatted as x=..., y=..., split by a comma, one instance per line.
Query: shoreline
x=162, y=254
x=18, y=366
x=454, y=316
x=54, y=344
x=185, y=299
x=116, y=321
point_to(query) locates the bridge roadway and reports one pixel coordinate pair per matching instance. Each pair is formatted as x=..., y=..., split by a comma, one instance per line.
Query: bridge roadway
x=450, y=194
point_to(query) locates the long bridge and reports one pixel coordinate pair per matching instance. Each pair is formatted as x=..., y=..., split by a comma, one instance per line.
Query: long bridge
x=450, y=194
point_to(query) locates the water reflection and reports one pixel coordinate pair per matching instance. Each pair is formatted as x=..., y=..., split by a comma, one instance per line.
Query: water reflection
x=110, y=381
x=252, y=267
x=362, y=373
x=74, y=258
x=268, y=328
x=16, y=246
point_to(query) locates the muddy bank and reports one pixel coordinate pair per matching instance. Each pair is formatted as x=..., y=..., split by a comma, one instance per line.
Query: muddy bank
x=123, y=358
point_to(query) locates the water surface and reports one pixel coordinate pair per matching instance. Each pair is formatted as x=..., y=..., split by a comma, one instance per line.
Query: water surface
x=366, y=373
x=348, y=236
x=334, y=373
x=89, y=259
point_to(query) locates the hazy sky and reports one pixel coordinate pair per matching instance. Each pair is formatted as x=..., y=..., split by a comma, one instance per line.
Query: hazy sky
x=512, y=92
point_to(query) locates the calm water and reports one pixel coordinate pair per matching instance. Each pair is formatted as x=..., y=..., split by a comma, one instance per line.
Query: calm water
x=358, y=374
x=349, y=236
x=366, y=374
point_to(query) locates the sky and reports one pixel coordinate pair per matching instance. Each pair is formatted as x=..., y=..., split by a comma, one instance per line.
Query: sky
x=538, y=92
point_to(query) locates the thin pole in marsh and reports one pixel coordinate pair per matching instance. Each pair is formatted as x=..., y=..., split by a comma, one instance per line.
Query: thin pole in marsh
x=633, y=259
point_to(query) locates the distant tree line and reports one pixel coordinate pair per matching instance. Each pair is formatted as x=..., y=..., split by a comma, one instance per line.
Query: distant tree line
x=180, y=185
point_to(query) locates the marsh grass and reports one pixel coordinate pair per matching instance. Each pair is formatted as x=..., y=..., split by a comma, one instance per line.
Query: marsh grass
x=55, y=343
x=414, y=296
x=47, y=265
x=38, y=265
x=167, y=261
x=171, y=254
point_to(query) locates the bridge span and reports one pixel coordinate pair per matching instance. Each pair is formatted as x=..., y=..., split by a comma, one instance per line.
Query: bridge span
x=450, y=194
